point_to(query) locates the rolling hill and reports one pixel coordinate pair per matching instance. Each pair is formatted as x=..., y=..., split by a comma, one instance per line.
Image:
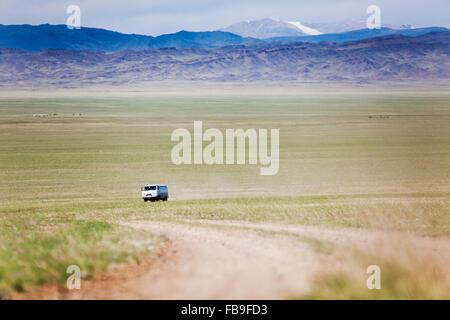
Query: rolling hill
x=389, y=58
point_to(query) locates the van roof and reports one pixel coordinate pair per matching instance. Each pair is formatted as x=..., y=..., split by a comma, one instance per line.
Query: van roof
x=151, y=185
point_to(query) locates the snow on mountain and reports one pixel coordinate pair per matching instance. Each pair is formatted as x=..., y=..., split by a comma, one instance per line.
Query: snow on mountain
x=304, y=29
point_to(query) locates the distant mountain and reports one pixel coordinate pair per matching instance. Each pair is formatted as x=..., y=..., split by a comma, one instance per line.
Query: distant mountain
x=41, y=37
x=390, y=58
x=358, y=35
x=269, y=28
x=206, y=39
x=437, y=37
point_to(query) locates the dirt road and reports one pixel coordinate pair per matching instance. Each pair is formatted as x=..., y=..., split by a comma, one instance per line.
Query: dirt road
x=230, y=260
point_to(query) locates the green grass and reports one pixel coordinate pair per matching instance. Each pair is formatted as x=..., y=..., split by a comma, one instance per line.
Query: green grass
x=66, y=180
x=328, y=145
x=426, y=214
x=37, y=248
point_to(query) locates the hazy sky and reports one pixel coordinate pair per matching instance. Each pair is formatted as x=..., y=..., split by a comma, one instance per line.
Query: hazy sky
x=155, y=17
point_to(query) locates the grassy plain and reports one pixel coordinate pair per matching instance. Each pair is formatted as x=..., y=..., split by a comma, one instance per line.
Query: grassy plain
x=367, y=158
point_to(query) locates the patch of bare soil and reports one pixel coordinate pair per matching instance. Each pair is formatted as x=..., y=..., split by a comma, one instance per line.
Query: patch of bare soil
x=229, y=260
x=205, y=263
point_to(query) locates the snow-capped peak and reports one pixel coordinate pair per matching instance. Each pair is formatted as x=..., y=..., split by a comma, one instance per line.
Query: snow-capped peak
x=304, y=29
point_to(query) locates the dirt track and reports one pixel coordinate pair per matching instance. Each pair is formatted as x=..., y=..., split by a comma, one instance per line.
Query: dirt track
x=229, y=260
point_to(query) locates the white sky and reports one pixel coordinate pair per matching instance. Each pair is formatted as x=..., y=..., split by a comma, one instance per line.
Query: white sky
x=156, y=17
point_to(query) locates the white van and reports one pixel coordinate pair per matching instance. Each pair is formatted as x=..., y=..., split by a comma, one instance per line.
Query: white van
x=155, y=192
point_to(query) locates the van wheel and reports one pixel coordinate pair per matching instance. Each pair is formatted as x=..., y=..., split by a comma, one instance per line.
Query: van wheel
x=145, y=200
x=165, y=199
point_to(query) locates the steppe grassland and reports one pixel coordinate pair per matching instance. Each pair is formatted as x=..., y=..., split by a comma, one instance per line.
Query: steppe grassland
x=360, y=158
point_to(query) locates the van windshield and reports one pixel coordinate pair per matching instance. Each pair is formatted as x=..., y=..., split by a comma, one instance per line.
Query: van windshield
x=149, y=188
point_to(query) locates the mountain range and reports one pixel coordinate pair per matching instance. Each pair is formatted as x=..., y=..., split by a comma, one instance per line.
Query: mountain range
x=249, y=51
x=41, y=37
x=388, y=58
x=269, y=28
